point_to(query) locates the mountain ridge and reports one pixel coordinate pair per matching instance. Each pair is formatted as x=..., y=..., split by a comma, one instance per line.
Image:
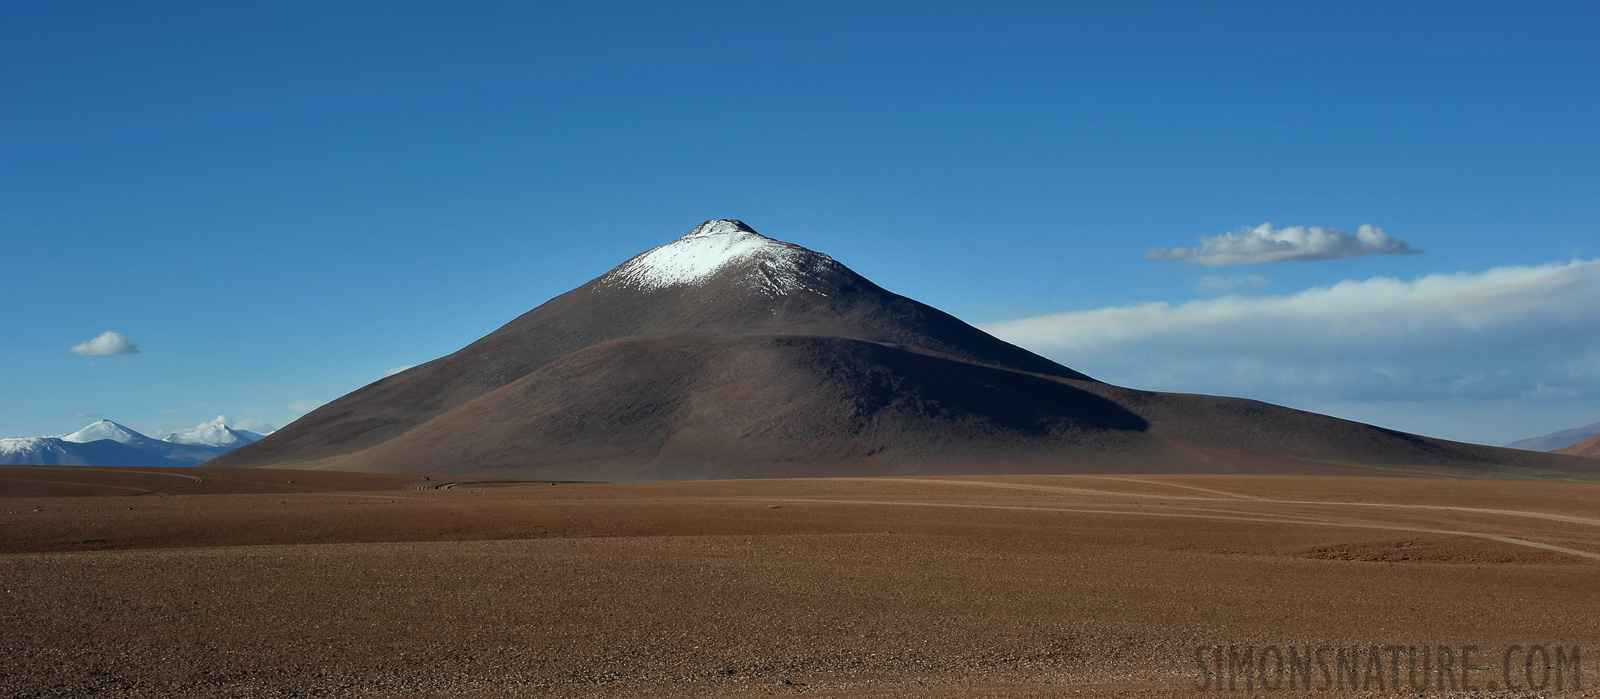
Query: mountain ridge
x=107, y=443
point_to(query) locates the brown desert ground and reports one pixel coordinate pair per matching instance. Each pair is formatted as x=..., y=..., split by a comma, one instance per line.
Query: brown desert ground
x=240, y=582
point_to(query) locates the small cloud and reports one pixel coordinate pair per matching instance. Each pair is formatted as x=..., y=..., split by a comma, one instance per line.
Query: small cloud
x=84, y=416
x=305, y=406
x=109, y=343
x=397, y=370
x=1223, y=285
x=1263, y=244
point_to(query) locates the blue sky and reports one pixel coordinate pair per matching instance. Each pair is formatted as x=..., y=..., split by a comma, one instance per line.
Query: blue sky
x=282, y=202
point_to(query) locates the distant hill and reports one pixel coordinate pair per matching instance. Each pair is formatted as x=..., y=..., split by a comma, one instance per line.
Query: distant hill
x=1587, y=447
x=727, y=354
x=106, y=443
x=1557, y=440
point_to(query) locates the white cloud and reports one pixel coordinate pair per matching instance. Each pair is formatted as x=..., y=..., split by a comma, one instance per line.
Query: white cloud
x=1263, y=244
x=1509, y=333
x=397, y=370
x=108, y=343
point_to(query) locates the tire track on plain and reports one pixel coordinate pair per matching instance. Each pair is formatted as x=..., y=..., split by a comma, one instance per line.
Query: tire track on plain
x=137, y=491
x=195, y=480
x=1566, y=519
x=1579, y=553
x=1213, y=491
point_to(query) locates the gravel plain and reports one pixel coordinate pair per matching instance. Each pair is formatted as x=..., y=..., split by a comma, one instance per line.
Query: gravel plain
x=243, y=584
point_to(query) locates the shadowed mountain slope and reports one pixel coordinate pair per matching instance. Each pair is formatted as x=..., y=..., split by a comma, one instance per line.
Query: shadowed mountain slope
x=728, y=354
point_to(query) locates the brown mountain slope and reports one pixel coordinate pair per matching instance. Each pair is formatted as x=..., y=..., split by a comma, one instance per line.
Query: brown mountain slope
x=1587, y=447
x=730, y=355
x=607, y=309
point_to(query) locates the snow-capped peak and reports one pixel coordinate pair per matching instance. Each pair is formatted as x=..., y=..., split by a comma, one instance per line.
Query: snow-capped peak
x=721, y=226
x=216, y=433
x=105, y=429
x=772, y=267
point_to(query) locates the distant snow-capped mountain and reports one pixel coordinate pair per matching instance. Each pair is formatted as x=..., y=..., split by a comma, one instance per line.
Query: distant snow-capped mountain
x=106, y=443
x=106, y=429
x=55, y=451
x=213, y=434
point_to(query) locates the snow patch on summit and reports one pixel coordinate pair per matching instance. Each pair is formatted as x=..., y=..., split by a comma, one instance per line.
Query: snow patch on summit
x=772, y=267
